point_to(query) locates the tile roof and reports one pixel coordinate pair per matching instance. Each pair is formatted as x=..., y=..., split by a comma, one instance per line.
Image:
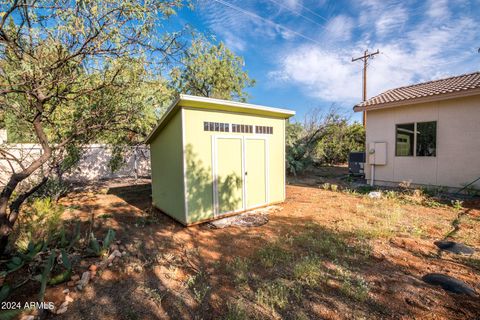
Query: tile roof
x=458, y=84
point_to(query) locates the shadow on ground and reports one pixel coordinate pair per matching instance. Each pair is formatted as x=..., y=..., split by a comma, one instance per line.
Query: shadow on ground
x=172, y=272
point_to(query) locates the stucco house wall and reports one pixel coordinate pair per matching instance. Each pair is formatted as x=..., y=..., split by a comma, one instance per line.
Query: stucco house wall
x=458, y=143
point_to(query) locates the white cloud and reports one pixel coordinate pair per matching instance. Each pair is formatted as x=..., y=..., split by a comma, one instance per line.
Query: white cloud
x=233, y=42
x=423, y=53
x=340, y=28
x=324, y=74
x=292, y=4
x=438, y=9
x=389, y=21
x=235, y=27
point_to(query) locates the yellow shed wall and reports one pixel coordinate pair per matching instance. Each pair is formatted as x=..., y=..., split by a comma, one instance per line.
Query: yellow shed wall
x=198, y=153
x=166, y=154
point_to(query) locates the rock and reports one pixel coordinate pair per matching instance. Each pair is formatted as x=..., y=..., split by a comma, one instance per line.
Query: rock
x=117, y=253
x=378, y=255
x=93, y=268
x=110, y=265
x=455, y=247
x=83, y=281
x=68, y=299
x=375, y=195
x=28, y=317
x=449, y=284
x=62, y=310
x=75, y=277
x=124, y=253
x=66, y=291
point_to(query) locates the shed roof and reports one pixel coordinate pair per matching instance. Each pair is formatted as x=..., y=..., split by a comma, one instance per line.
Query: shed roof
x=448, y=88
x=185, y=100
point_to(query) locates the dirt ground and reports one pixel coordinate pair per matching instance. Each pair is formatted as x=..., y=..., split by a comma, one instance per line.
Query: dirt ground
x=326, y=255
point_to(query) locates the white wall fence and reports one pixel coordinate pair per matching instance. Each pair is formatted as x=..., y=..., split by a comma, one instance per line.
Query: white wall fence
x=93, y=165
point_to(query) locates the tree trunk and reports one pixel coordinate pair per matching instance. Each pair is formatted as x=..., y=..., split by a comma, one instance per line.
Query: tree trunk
x=7, y=221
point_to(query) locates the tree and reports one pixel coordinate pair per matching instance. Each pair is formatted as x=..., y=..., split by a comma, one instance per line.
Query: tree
x=302, y=138
x=72, y=72
x=340, y=139
x=322, y=138
x=211, y=71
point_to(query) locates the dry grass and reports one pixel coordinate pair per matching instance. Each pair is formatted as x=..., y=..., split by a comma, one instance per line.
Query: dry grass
x=326, y=255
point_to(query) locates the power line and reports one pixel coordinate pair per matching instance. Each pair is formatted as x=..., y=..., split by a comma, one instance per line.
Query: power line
x=298, y=13
x=311, y=11
x=266, y=20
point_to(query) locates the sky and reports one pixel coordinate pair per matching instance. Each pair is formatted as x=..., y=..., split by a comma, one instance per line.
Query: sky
x=300, y=51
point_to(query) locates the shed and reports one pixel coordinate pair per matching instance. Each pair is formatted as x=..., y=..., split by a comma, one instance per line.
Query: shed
x=212, y=158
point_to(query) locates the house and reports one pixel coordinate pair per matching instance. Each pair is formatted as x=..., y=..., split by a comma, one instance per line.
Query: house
x=425, y=134
x=212, y=158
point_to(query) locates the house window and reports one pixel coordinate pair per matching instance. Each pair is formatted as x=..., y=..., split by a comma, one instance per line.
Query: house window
x=426, y=139
x=420, y=137
x=405, y=138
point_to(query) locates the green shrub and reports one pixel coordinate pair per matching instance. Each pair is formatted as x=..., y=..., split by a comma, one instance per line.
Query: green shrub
x=276, y=294
x=40, y=220
x=236, y=311
x=198, y=284
x=238, y=267
x=308, y=270
x=457, y=205
x=272, y=254
x=54, y=189
x=98, y=250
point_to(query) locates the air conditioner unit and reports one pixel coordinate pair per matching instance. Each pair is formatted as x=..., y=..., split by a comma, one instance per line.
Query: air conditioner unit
x=356, y=164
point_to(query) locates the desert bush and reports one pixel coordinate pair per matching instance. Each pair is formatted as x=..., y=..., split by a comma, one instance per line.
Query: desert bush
x=276, y=294
x=198, y=284
x=41, y=220
x=98, y=249
x=272, y=255
x=239, y=268
x=340, y=139
x=322, y=138
x=53, y=189
x=308, y=270
x=236, y=311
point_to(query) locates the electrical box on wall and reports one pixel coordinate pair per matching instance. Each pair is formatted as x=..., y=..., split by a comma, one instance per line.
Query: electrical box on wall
x=377, y=153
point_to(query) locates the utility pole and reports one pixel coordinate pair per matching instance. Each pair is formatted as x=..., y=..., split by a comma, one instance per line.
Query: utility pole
x=365, y=58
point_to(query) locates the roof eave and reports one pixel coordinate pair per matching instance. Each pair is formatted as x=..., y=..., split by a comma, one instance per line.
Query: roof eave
x=168, y=114
x=184, y=100
x=433, y=98
x=187, y=100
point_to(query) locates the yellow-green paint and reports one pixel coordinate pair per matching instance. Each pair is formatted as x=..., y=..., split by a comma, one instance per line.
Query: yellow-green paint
x=229, y=174
x=199, y=158
x=188, y=163
x=256, y=169
x=166, y=155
